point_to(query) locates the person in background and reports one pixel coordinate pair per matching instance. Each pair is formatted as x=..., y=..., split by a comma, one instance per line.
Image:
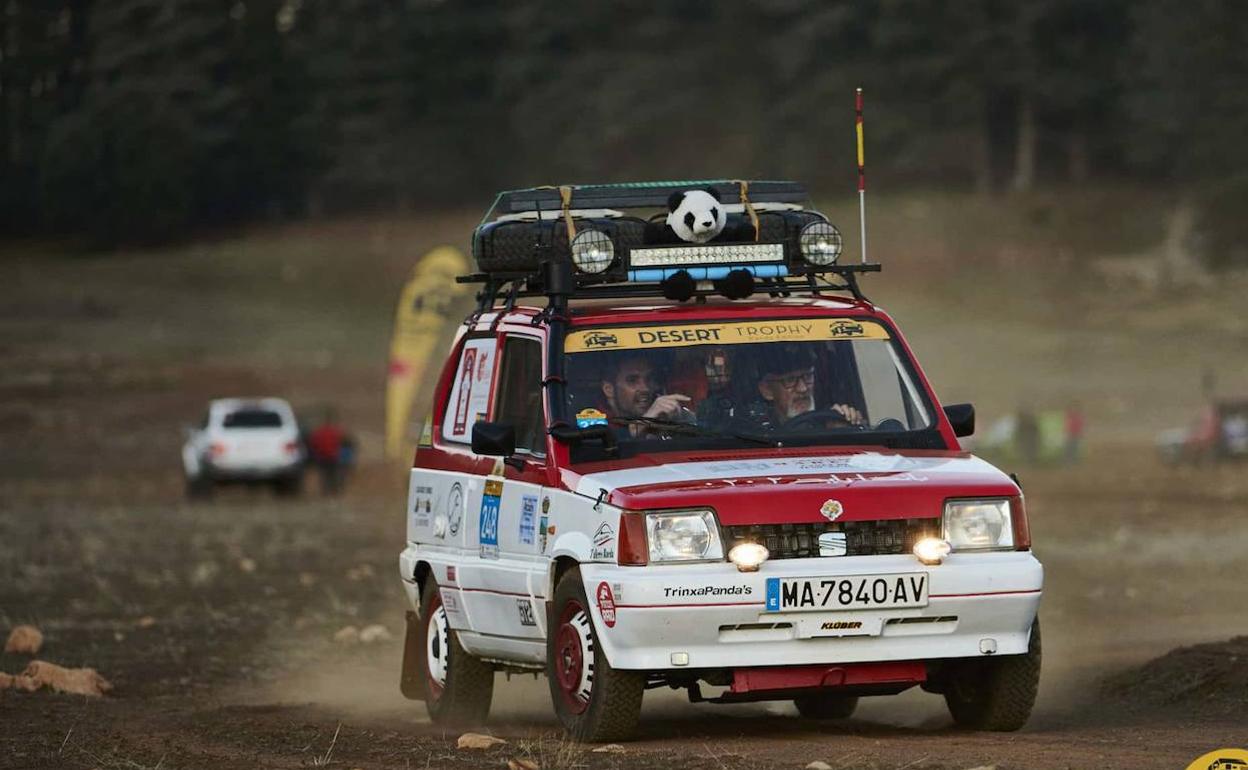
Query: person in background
x=1073, y=432
x=1027, y=435
x=332, y=451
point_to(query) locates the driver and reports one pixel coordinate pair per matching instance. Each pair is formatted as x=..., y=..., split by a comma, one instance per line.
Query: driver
x=787, y=386
x=632, y=388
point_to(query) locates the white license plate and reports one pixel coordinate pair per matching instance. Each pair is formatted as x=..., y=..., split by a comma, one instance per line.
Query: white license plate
x=848, y=592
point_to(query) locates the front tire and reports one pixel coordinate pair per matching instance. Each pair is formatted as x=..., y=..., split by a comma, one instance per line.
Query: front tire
x=457, y=686
x=824, y=706
x=996, y=694
x=594, y=702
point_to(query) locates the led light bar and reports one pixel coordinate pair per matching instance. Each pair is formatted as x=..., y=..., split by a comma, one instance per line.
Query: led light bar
x=720, y=254
x=655, y=274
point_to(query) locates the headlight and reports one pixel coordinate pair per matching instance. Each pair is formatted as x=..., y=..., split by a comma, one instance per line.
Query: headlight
x=683, y=536
x=820, y=243
x=979, y=525
x=592, y=251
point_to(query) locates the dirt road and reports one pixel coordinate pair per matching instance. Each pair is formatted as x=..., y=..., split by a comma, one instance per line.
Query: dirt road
x=216, y=621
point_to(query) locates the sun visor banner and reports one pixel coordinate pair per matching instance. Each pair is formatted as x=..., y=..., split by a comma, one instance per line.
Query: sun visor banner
x=741, y=333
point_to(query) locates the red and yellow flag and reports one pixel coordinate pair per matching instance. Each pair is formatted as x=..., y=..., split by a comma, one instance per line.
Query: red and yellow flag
x=425, y=307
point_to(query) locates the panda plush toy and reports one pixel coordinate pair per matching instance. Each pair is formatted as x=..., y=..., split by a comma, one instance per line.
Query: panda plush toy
x=695, y=216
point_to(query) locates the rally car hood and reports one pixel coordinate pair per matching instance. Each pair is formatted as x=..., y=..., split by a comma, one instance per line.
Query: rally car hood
x=792, y=486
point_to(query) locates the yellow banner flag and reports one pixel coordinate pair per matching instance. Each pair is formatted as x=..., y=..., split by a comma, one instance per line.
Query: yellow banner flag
x=424, y=308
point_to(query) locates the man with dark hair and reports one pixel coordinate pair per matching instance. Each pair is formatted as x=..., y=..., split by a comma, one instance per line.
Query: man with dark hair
x=633, y=388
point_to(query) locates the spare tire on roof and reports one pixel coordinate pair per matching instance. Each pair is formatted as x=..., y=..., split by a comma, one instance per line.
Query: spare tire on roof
x=518, y=246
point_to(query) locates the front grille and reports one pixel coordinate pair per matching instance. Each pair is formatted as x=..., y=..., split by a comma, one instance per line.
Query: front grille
x=861, y=538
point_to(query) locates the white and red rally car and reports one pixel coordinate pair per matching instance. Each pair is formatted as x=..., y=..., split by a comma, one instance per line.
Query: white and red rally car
x=756, y=491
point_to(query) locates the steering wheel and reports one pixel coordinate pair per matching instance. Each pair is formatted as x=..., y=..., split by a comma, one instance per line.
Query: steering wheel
x=821, y=417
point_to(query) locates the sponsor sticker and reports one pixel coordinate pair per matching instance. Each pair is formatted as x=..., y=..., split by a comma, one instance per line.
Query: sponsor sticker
x=525, y=609
x=589, y=417
x=606, y=604
x=604, y=543
x=541, y=533
x=814, y=626
x=846, y=328
x=528, y=518
x=470, y=394
x=422, y=505
x=738, y=333
x=488, y=530
x=450, y=601
x=682, y=592
x=450, y=573
x=426, y=432
x=832, y=510
x=455, y=507
x=460, y=424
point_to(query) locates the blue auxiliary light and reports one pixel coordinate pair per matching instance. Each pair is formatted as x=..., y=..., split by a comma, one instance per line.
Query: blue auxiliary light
x=715, y=273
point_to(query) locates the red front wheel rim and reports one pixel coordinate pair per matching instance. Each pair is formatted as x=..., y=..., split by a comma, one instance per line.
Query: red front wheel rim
x=574, y=658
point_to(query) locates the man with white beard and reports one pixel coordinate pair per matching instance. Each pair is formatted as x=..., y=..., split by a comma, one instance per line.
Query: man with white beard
x=787, y=384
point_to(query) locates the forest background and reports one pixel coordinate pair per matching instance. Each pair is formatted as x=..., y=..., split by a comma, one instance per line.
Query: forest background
x=137, y=121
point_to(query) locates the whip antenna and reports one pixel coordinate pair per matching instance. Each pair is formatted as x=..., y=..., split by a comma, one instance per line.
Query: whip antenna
x=862, y=175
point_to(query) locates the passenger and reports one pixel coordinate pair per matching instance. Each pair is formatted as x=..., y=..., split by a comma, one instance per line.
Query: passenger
x=718, y=407
x=633, y=389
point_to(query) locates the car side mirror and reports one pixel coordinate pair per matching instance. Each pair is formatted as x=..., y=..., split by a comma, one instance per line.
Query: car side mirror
x=494, y=438
x=962, y=418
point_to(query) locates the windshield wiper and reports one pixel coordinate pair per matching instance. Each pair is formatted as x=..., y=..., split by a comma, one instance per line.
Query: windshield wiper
x=690, y=429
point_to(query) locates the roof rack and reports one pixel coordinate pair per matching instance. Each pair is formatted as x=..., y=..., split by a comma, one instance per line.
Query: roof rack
x=591, y=251
x=508, y=287
x=640, y=194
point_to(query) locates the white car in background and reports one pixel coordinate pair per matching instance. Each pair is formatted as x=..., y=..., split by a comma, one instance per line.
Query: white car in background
x=248, y=441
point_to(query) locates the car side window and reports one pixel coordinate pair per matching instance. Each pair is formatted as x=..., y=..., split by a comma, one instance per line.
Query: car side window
x=470, y=394
x=519, y=399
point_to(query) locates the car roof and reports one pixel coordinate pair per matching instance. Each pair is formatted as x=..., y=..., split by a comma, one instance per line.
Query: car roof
x=234, y=404
x=600, y=312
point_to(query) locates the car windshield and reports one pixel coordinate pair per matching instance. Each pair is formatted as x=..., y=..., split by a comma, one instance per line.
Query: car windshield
x=252, y=418
x=781, y=382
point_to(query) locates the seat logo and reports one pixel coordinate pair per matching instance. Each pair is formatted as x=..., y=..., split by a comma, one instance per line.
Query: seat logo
x=832, y=510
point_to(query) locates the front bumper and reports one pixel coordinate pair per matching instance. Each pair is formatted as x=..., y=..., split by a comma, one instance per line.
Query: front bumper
x=979, y=604
x=253, y=471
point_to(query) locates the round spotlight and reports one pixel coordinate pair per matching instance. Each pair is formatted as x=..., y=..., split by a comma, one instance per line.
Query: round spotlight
x=592, y=251
x=748, y=556
x=932, y=550
x=820, y=243
x=679, y=286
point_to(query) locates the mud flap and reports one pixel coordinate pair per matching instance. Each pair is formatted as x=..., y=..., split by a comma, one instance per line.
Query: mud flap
x=410, y=679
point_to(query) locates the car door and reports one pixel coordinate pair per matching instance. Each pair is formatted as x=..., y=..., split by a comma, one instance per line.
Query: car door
x=448, y=481
x=500, y=588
